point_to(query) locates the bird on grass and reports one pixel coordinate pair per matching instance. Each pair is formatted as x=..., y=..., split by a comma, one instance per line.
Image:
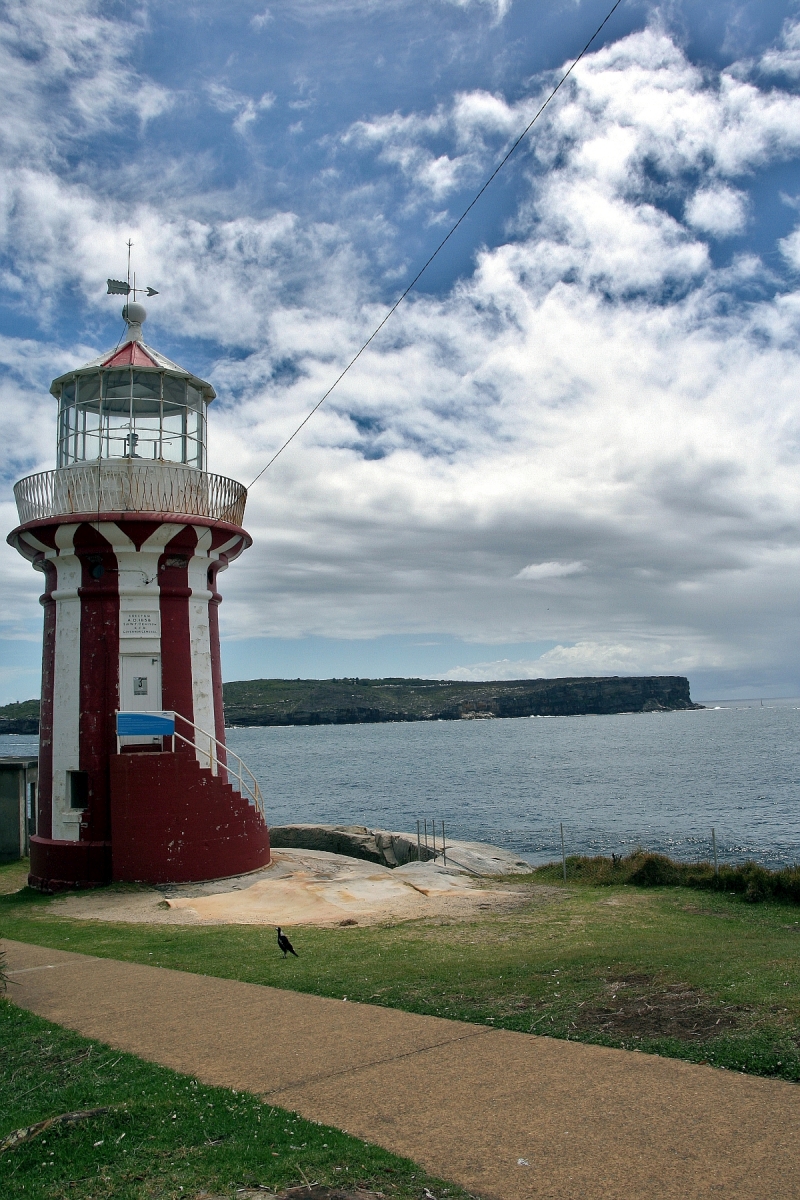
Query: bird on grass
x=285, y=945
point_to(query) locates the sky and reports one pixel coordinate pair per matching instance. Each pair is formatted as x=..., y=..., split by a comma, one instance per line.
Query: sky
x=573, y=450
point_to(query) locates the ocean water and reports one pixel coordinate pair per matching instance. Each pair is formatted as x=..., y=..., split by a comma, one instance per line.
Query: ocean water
x=661, y=781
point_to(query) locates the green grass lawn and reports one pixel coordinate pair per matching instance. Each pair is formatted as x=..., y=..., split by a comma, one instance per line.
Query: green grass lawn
x=165, y=1135
x=703, y=976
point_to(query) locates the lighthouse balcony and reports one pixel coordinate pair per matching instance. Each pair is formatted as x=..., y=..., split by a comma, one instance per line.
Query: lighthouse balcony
x=129, y=485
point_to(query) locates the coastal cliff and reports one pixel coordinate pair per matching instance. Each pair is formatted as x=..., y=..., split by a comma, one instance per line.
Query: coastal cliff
x=365, y=701
x=362, y=701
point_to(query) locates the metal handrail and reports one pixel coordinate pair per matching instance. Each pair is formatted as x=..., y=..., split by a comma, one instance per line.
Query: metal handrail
x=129, y=485
x=249, y=789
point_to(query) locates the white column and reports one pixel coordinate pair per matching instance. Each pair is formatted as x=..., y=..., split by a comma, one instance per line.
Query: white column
x=66, y=681
x=200, y=642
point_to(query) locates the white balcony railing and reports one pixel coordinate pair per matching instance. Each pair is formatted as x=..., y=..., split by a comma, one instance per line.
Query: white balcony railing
x=129, y=485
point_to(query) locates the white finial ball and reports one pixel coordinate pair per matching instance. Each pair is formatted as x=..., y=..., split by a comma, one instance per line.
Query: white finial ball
x=134, y=313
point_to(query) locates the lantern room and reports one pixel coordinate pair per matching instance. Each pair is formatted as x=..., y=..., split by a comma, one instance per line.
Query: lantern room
x=134, y=403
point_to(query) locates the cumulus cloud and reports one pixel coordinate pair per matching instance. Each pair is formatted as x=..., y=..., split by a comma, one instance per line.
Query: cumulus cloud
x=642, y=656
x=720, y=211
x=784, y=59
x=790, y=248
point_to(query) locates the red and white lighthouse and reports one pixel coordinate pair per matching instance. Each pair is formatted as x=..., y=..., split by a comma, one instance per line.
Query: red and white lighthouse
x=130, y=532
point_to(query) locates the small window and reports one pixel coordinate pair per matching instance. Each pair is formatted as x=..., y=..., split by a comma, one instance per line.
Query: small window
x=78, y=789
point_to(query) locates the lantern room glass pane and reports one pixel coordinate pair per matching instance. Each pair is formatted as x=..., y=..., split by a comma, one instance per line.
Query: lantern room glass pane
x=88, y=389
x=147, y=436
x=174, y=391
x=117, y=392
x=146, y=392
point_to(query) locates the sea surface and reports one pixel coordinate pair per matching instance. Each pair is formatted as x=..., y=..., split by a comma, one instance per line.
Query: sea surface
x=660, y=780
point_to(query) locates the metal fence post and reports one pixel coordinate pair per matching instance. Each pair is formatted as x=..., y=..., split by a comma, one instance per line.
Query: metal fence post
x=563, y=855
x=714, y=844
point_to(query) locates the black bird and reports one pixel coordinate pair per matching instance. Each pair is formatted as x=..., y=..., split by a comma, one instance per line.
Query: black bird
x=285, y=945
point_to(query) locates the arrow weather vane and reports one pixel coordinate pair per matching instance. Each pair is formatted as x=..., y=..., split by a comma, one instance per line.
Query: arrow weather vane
x=119, y=287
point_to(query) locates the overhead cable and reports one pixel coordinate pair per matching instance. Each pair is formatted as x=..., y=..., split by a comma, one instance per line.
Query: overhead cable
x=442, y=243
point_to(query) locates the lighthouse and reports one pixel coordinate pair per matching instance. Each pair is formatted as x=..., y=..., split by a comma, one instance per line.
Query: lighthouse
x=131, y=532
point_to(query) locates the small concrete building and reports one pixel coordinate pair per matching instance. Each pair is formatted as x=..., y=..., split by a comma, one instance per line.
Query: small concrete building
x=19, y=778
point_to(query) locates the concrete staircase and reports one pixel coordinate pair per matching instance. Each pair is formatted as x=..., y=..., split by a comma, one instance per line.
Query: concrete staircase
x=207, y=830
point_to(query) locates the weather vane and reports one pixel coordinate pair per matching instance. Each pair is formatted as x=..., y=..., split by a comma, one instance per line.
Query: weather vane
x=119, y=287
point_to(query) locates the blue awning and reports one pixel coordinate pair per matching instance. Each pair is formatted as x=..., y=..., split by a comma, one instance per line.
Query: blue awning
x=145, y=724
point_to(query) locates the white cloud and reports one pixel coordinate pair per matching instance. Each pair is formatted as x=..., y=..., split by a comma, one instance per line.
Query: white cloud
x=64, y=72
x=785, y=58
x=720, y=211
x=632, y=106
x=500, y=7
x=790, y=248
x=224, y=99
x=550, y=570
x=639, y=656
x=260, y=20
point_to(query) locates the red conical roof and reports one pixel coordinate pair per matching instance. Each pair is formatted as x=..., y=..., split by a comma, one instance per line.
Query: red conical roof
x=132, y=354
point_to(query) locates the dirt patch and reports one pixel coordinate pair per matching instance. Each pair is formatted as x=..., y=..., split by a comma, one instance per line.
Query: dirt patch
x=640, y=1007
x=708, y=912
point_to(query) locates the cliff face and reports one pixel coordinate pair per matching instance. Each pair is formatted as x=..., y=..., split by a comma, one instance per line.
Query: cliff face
x=360, y=701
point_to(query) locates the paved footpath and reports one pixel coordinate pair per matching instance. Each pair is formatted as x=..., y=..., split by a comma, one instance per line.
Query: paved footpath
x=465, y=1101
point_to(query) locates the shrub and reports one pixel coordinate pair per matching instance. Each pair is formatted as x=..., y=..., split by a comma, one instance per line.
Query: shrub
x=643, y=869
x=655, y=870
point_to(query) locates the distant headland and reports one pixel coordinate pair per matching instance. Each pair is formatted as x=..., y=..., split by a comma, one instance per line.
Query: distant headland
x=367, y=701
x=362, y=701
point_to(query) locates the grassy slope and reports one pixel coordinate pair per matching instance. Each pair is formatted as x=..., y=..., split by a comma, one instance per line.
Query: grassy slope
x=549, y=965
x=20, y=709
x=168, y=1136
x=280, y=699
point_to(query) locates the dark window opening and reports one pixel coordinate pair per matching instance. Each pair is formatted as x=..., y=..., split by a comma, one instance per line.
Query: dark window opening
x=78, y=789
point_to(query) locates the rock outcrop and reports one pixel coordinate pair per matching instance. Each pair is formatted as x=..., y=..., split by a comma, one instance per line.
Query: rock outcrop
x=392, y=849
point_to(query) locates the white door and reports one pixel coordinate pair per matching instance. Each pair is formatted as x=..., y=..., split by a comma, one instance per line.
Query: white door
x=140, y=690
